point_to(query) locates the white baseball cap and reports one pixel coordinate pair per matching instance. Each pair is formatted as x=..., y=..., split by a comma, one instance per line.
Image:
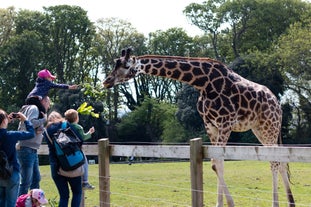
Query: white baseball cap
x=39, y=195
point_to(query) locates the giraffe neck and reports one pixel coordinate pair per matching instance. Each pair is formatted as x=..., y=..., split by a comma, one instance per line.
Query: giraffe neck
x=197, y=72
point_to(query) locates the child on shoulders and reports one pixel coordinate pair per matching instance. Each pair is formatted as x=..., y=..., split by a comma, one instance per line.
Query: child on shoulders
x=44, y=83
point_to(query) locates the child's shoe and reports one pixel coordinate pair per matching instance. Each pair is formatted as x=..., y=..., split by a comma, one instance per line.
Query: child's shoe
x=87, y=186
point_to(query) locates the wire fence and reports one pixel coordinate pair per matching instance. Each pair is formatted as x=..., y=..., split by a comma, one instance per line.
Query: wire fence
x=250, y=195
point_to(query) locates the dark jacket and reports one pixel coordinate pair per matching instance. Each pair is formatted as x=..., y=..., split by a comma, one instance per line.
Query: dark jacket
x=43, y=86
x=52, y=130
x=9, y=139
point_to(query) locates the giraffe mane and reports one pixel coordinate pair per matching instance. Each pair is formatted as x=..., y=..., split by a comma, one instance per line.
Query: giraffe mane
x=180, y=58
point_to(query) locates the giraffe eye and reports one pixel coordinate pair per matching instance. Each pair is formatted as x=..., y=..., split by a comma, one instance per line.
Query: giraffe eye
x=126, y=66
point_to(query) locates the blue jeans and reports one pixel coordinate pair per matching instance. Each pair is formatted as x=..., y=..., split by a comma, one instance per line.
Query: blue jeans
x=30, y=174
x=9, y=190
x=62, y=182
x=86, y=171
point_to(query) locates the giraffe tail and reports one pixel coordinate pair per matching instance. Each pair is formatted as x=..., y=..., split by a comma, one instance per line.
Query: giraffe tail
x=289, y=174
x=280, y=138
x=287, y=164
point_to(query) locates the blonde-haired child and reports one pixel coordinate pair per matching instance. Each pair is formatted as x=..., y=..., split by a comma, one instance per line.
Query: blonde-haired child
x=72, y=117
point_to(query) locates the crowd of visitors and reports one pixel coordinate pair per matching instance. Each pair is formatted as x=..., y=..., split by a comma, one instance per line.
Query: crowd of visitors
x=21, y=188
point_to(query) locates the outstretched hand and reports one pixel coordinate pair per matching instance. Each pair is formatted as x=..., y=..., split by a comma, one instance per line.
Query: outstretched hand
x=72, y=87
x=91, y=130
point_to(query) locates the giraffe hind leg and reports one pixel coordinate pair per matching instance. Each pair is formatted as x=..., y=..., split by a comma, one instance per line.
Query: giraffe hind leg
x=285, y=173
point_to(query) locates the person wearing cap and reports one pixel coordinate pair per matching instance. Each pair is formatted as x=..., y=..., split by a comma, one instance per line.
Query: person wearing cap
x=35, y=198
x=44, y=83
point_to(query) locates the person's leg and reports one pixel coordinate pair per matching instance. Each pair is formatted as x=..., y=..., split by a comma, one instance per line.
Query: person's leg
x=36, y=177
x=86, y=172
x=76, y=188
x=2, y=194
x=26, y=160
x=62, y=187
x=11, y=191
x=85, y=178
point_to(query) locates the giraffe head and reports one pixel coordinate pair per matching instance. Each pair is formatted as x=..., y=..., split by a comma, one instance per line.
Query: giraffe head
x=124, y=69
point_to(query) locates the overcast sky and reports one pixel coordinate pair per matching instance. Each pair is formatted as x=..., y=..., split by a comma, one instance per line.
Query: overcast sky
x=145, y=15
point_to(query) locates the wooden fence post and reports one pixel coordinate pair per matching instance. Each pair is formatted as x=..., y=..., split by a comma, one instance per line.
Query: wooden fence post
x=196, y=165
x=104, y=172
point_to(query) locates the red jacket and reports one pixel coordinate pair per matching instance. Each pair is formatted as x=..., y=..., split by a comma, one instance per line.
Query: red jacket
x=24, y=201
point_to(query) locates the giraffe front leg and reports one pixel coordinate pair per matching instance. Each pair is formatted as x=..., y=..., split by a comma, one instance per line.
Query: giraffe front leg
x=222, y=189
x=274, y=170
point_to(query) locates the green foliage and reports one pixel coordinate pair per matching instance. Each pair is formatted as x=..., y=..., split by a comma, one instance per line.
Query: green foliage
x=7, y=24
x=84, y=109
x=247, y=24
x=206, y=17
x=261, y=68
x=113, y=35
x=267, y=41
x=174, y=132
x=53, y=202
x=174, y=41
x=71, y=35
x=148, y=123
x=187, y=113
x=292, y=53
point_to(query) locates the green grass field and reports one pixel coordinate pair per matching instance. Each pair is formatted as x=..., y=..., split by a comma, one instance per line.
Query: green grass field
x=168, y=184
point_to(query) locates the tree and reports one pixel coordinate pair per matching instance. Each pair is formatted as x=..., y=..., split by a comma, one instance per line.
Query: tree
x=7, y=29
x=205, y=16
x=64, y=35
x=187, y=113
x=21, y=54
x=148, y=122
x=174, y=42
x=244, y=24
x=115, y=34
x=70, y=39
x=257, y=24
x=292, y=53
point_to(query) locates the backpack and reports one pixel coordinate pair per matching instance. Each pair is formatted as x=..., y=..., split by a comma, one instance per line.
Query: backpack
x=5, y=168
x=68, y=148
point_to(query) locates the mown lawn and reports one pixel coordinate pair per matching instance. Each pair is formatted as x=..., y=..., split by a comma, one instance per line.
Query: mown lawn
x=168, y=184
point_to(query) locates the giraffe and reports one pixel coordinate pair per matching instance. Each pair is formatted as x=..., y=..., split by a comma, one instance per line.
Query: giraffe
x=227, y=102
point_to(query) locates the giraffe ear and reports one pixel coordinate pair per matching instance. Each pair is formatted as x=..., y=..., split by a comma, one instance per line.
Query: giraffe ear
x=123, y=53
x=128, y=53
x=129, y=50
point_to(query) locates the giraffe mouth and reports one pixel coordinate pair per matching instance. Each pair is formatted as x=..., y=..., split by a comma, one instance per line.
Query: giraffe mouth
x=108, y=83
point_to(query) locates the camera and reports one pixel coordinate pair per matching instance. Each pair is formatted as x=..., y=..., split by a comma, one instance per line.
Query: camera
x=15, y=115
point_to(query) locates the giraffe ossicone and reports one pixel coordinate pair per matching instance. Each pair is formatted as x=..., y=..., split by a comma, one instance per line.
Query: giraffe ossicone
x=227, y=102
